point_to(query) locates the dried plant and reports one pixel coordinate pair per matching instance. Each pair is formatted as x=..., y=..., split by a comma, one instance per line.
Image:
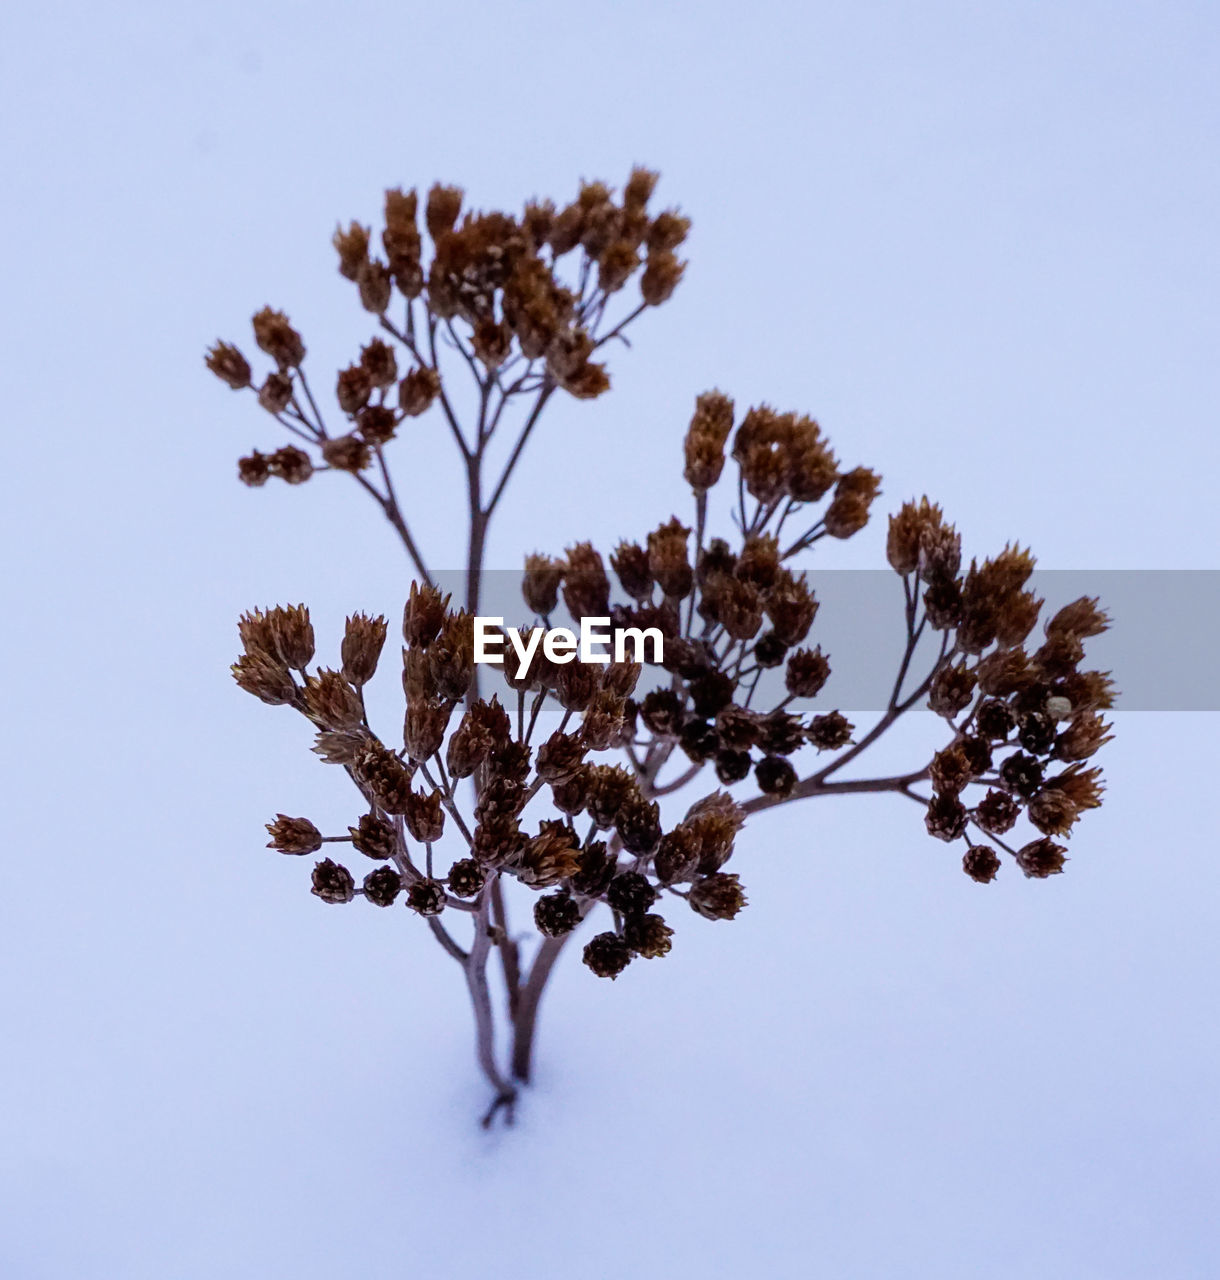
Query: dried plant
x=557, y=787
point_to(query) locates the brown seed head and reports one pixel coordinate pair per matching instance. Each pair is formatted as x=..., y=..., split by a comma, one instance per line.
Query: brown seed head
x=607, y=955
x=830, y=731
x=425, y=816
x=417, y=390
x=997, y=812
x=374, y=837
x=662, y=274
x=791, y=606
x=379, y=362
x=253, y=469
x=293, y=835
x=331, y=702
x=1085, y=735
x=275, y=395
x=291, y=464
x=667, y=558
x=376, y=285
x=602, y=725
x=540, y=584
x=346, y=453
x=376, y=424
x=1052, y=812
x=229, y=365
x=451, y=655
x=333, y=882
x=1041, y=858
x=382, y=886
x=946, y=817
x=812, y=467
x=705, y=440
x=981, y=863
x=630, y=564
x=950, y=771
x=669, y=229
x=424, y=728
x=427, y=897
x=718, y=897
x=363, y=638
x=384, y=777
x=352, y=246
x=466, y=878
x=556, y=914
x=402, y=242
x=551, y=856
x=678, y=854
x=952, y=691
x=264, y=678
x=1082, y=618
x=442, y=210
x=560, y=757
x=848, y=510
x=424, y=614
x=616, y=265
x=278, y=338
x=806, y=673
x=586, y=588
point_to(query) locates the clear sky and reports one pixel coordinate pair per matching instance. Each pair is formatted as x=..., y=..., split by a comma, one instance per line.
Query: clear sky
x=978, y=242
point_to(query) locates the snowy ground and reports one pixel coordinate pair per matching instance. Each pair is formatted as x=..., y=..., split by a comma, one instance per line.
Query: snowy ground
x=980, y=247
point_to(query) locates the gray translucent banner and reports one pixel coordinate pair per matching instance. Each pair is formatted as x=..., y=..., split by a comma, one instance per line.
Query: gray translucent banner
x=1160, y=649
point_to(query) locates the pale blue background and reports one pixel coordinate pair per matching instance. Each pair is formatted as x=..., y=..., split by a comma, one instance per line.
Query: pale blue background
x=979, y=242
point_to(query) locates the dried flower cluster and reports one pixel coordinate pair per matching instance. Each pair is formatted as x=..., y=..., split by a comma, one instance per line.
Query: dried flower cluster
x=557, y=786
